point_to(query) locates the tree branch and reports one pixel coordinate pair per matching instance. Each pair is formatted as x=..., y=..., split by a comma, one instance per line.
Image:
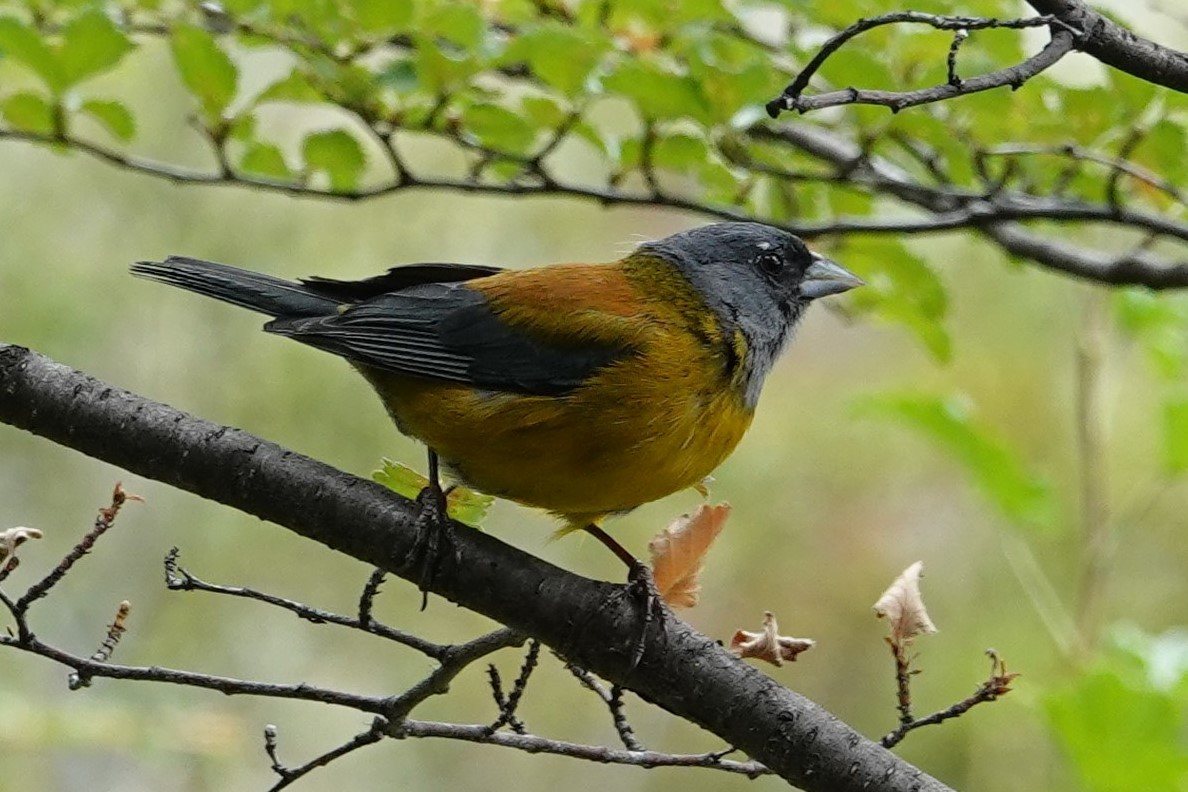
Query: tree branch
x=478, y=733
x=288, y=775
x=591, y=623
x=180, y=579
x=1062, y=42
x=1074, y=26
x=950, y=208
x=994, y=218
x=1118, y=47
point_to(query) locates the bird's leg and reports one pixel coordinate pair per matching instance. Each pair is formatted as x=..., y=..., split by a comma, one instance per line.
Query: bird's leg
x=433, y=529
x=641, y=588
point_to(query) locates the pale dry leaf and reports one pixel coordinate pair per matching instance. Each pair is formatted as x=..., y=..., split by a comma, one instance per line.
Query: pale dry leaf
x=13, y=537
x=678, y=553
x=902, y=606
x=769, y=645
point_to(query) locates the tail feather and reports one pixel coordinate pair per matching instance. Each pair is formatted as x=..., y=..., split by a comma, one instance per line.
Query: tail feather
x=252, y=290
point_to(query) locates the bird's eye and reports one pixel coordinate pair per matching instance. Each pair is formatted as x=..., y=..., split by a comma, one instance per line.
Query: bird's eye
x=770, y=263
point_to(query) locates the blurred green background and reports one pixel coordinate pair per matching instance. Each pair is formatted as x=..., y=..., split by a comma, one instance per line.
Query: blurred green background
x=830, y=504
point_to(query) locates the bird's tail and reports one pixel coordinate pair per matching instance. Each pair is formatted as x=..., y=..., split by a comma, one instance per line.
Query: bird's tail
x=251, y=290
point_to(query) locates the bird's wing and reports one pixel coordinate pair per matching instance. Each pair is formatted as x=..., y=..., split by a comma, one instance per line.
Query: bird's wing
x=451, y=332
x=396, y=279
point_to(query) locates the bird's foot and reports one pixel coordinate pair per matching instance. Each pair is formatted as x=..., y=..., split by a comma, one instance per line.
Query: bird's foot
x=649, y=605
x=434, y=535
x=641, y=592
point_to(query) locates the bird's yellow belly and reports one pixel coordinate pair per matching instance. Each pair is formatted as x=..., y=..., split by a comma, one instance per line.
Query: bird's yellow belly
x=582, y=455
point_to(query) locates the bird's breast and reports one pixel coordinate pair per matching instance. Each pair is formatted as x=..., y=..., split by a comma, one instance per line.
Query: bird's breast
x=653, y=423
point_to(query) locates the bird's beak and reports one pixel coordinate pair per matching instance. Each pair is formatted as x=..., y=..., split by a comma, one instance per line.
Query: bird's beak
x=825, y=277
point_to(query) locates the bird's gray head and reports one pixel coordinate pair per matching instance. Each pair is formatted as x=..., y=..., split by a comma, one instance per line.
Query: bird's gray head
x=757, y=279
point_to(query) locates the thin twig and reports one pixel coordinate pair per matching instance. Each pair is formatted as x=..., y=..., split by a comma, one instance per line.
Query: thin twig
x=367, y=596
x=999, y=684
x=103, y=522
x=288, y=775
x=1063, y=41
x=959, y=37
x=179, y=579
x=115, y=631
x=479, y=733
x=647, y=167
x=9, y=567
x=455, y=660
x=903, y=679
x=979, y=213
x=613, y=699
x=619, y=717
x=507, y=711
x=989, y=214
x=226, y=685
x=928, y=157
x=505, y=718
x=1117, y=164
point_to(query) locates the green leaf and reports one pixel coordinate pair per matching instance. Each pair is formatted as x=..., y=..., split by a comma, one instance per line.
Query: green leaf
x=1096, y=110
x=659, y=90
x=1159, y=323
x=1122, y=723
x=1119, y=738
x=400, y=75
x=113, y=115
x=498, y=128
x=542, y=111
x=1175, y=435
x=603, y=143
x=559, y=55
x=242, y=127
x=679, y=152
x=294, y=87
x=265, y=159
x=730, y=74
x=91, y=44
x=207, y=71
x=901, y=288
x=348, y=84
x=28, y=112
x=326, y=22
x=665, y=14
x=337, y=154
x=693, y=156
x=458, y=23
x=994, y=468
x=464, y=505
x=1163, y=149
x=440, y=69
x=25, y=45
x=383, y=17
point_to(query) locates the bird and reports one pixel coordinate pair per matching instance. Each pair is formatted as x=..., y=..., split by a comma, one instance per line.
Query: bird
x=585, y=390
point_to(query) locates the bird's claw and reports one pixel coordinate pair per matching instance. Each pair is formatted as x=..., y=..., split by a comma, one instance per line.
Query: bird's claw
x=433, y=534
x=641, y=590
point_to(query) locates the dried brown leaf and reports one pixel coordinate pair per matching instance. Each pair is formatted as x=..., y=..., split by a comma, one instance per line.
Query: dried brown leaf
x=14, y=537
x=769, y=645
x=902, y=606
x=678, y=553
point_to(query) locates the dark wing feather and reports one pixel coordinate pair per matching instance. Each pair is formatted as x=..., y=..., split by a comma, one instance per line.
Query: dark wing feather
x=396, y=279
x=447, y=331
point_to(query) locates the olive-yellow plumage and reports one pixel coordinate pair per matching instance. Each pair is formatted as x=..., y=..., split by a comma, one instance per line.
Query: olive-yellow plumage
x=583, y=389
x=591, y=452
